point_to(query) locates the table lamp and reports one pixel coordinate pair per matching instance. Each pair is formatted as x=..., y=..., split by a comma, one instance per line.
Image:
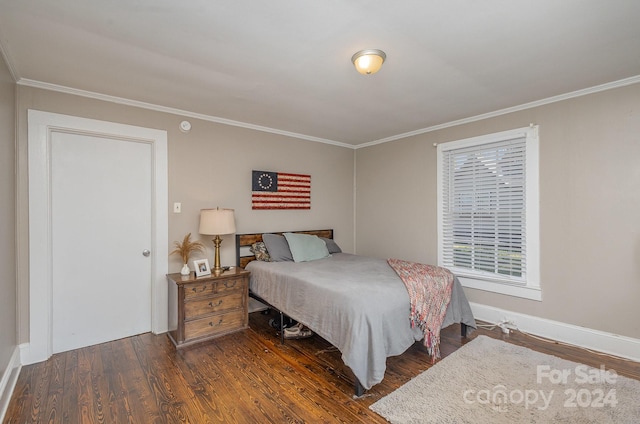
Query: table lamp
x=217, y=222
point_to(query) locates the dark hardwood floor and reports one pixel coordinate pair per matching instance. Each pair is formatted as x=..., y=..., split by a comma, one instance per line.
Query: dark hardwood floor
x=246, y=377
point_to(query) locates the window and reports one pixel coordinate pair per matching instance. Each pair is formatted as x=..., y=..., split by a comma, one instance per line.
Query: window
x=488, y=212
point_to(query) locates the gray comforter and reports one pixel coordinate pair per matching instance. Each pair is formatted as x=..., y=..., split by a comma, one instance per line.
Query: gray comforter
x=356, y=303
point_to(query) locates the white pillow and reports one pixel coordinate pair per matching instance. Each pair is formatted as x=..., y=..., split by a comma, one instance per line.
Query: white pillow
x=305, y=247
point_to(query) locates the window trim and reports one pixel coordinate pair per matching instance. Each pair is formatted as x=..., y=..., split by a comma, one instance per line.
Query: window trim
x=530, y=290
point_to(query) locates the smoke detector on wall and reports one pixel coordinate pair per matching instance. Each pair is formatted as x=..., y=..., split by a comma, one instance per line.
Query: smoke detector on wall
x=185, y=126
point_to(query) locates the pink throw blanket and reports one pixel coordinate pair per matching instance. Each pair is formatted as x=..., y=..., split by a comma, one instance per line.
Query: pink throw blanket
x=429, y=290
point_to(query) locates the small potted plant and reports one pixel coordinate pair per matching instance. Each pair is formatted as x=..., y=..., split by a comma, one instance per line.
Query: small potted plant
x=185, y=249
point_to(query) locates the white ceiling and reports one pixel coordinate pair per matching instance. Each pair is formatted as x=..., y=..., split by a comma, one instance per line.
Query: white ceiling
x=285, y=64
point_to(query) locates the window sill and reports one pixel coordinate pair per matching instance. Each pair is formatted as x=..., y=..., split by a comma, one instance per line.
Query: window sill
x=532, y=293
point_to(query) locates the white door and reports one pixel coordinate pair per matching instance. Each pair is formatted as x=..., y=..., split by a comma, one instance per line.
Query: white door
x=101, y=223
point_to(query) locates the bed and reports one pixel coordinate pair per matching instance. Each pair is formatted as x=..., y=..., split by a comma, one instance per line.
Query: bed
x=356, y=303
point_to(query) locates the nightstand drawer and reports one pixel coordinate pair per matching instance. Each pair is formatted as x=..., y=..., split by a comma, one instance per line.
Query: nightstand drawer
x=212, y=287
x=214, y=324
x=230, y=284
x=199, y=289
x=196, y=308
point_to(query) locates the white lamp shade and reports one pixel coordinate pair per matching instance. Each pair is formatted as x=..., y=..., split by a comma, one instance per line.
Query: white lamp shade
x=217, y=222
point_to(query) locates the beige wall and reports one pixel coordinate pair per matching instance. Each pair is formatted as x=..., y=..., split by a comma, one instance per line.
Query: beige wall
x=7, y=217
x=589, y=179
x=589, y=206
x=208, y=167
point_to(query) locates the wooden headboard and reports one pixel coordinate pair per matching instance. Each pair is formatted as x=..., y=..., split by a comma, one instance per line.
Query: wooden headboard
x=246, y=240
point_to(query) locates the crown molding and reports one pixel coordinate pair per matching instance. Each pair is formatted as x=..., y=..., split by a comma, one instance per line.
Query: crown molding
x=186, y=113
x=4, y=53
x=174, y=111
x=530, y=105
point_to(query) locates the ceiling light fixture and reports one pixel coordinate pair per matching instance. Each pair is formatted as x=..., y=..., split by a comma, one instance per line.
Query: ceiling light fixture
x=368, y=61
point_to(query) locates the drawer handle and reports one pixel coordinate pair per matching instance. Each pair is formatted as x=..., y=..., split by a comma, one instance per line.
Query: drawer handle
x=218, y=323
x=227, y=285
x=217, y=304
x=195, y=290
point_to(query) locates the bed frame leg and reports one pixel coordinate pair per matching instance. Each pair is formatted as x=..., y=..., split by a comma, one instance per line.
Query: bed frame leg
x=463, y=330
x=359, y=389
x=281, y=328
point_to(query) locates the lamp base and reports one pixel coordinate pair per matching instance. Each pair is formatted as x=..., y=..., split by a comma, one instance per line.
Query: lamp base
x=217, y=269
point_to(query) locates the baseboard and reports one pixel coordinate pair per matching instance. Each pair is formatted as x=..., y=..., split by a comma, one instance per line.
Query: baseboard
x=8, y=382
x=27, y=355
x=601, y=341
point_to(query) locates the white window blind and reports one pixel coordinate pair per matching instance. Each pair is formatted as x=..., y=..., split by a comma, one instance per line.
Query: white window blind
x=488, y=212
x=483, y=224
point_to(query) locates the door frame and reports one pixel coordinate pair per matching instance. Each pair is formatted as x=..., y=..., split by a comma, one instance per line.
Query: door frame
x=41, y=125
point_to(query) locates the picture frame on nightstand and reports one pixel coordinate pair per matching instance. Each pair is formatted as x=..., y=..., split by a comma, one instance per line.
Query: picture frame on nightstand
x=202, y=267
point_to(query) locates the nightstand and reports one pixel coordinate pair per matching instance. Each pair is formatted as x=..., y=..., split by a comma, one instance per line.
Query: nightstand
x=207, y=307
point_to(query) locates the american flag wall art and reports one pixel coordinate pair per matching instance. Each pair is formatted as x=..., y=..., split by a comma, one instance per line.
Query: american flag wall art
x=279, y=190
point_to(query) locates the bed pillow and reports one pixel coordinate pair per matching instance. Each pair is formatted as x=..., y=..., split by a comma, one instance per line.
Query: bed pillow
x=332, y=246
x=260, y=250
x=277, y=247
x=305, y=247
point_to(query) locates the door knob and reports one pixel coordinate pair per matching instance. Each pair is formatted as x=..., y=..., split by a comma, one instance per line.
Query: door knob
x=146, y=252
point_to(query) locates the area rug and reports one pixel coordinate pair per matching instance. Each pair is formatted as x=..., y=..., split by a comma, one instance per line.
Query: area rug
x=491, y=381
